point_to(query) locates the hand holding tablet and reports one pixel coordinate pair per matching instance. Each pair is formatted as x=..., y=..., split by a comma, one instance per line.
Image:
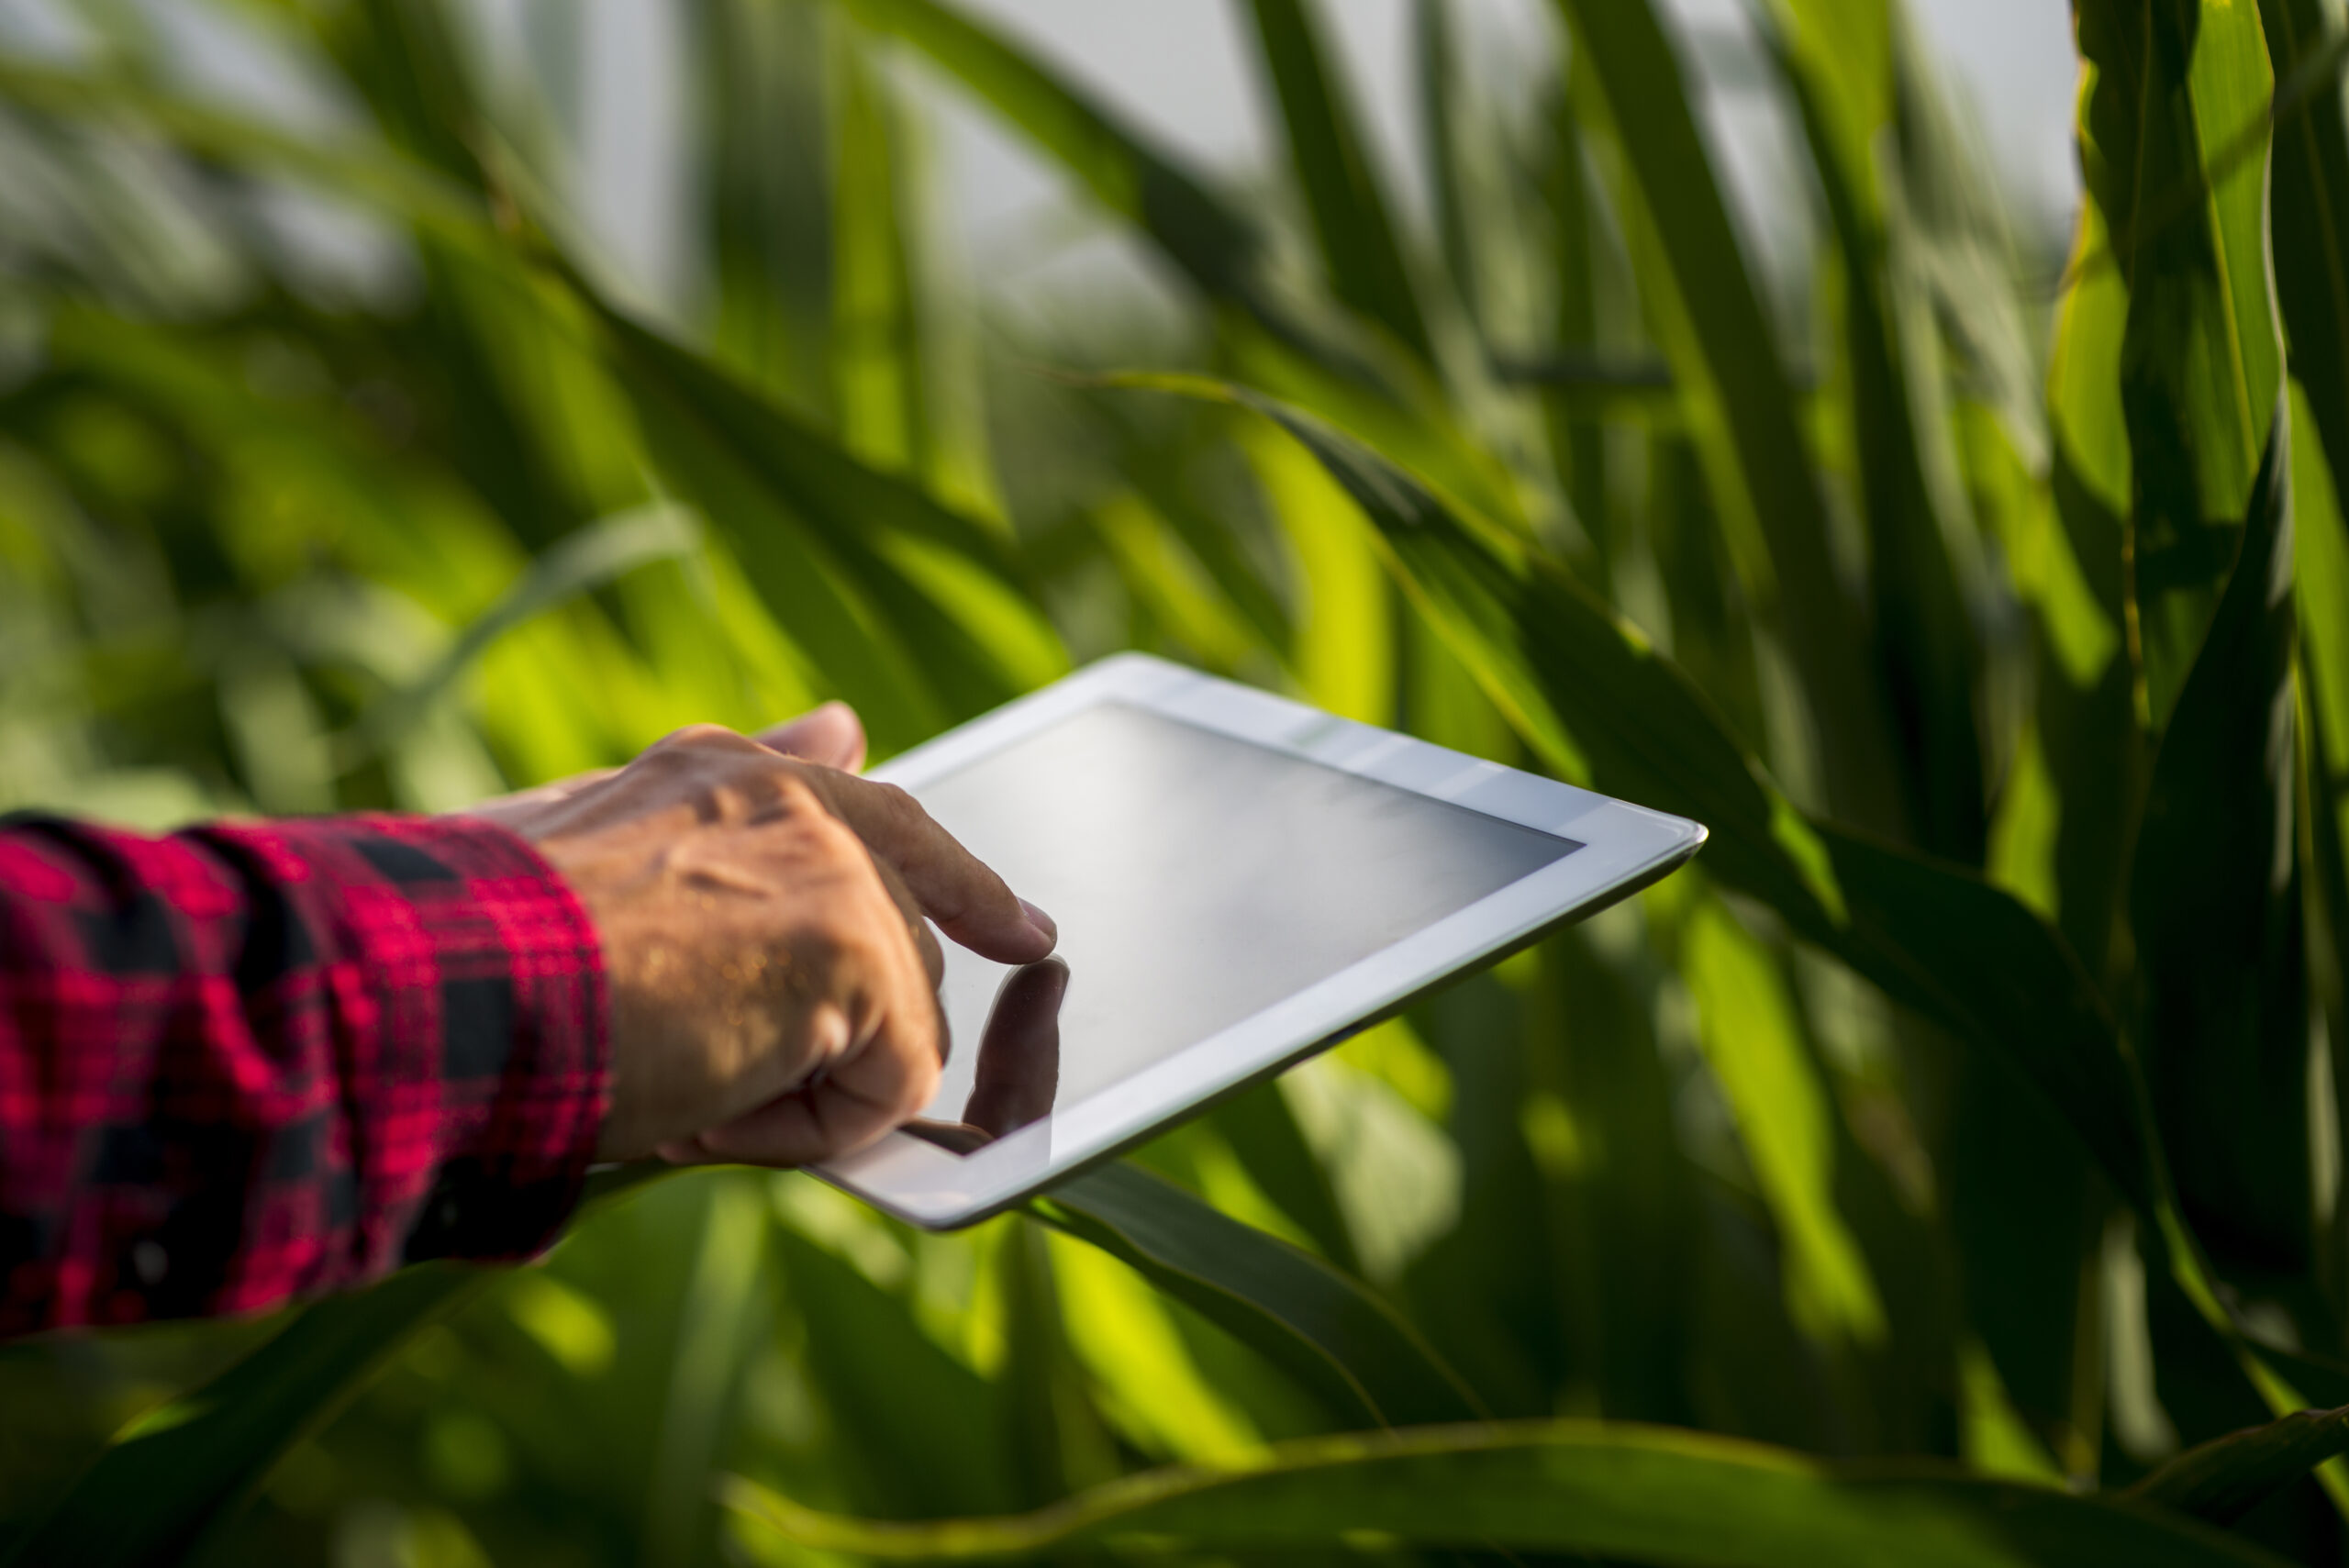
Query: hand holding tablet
x=767, y=1004
x=1239, y=881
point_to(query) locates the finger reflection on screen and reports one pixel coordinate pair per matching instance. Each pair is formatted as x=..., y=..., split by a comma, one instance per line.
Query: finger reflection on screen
x=1020, y=1060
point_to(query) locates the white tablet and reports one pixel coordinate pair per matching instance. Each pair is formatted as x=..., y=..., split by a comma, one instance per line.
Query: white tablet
x=1239, y=882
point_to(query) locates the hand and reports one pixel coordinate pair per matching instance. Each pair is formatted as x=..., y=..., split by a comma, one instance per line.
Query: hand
x=774, y=987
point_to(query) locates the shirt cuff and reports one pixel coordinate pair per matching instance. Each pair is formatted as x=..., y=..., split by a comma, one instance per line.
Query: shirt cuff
x=473, y=1123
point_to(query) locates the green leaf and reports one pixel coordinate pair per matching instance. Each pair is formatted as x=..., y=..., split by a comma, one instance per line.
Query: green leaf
x=605, y=550
x=2308, y=209
x=185, y=1465
x=876, y=348
x=1343, y=644
x=1216, y=247
x=917, y=1426
x=1753, y=1041
x=1839, y=62
x=769, y=214
x=904, y=603
x=1340, y=1341
x=1272, y=1149
x=189, y=1464
x=2227, y=1477
x=2088, y=716
x=352, y=167
x=2215, y=902
x=2170, y=85
x=402, y=55
x=1332, y=165
x=1709, y=318
x=2320, y=582
x=1303, y=354
x=723, y=1316
x=1446, y=152
x=1616, y=1492
x=1557, y=661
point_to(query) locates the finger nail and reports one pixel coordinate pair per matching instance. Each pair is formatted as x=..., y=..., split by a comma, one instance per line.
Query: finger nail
x=1041, y=920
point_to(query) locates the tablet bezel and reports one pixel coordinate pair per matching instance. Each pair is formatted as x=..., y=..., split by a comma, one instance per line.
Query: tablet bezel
x=1625, y=847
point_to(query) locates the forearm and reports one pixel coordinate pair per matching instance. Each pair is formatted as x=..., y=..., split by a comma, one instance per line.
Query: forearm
x=251, y=1061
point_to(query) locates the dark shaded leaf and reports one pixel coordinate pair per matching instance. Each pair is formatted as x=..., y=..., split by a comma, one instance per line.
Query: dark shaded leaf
x=182, y=1468
x=2200, y=358
x=2215, y=902
x=2227, y=1477
x=2309, y=210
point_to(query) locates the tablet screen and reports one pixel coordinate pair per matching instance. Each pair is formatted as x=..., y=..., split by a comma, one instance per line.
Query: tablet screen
x=1197, y=879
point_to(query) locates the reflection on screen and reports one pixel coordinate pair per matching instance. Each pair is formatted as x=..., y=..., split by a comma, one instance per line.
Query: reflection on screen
x=1195, y=880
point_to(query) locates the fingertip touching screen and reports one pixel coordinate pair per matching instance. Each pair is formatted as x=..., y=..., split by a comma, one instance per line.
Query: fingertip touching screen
x=1195, y=879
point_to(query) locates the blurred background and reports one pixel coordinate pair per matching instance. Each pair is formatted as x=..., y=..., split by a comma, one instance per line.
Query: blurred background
x=311, y=501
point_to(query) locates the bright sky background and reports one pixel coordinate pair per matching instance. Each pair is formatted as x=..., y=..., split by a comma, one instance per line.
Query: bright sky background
x=1179, y=67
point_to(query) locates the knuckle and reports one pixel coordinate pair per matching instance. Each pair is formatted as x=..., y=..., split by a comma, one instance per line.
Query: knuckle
x=687, y=752
x=701, y=737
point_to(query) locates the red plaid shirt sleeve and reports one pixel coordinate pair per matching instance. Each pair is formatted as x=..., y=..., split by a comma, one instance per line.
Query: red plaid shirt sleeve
x=256, y=1060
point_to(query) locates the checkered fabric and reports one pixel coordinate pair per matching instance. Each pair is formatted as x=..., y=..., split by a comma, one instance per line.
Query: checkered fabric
x=256, y=1060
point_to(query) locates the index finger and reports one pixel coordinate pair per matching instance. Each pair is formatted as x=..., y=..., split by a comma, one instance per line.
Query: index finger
x=969, y=902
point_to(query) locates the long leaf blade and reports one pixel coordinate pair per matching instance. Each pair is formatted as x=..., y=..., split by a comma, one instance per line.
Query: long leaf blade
x=1963, y=953
x=912, y=614
x=1220, y=252
x=1340, y=1341
x=2215, y=903
x=1327, y=150
x=2227, y=1477
x=181, y=1469
x=1726, y=359
x=1618, y=1493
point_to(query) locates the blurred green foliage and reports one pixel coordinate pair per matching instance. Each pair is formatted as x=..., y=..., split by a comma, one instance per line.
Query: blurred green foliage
x=1939, y=1172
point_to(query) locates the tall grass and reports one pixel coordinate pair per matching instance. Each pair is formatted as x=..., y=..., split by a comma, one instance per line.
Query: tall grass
x=1940, y=1171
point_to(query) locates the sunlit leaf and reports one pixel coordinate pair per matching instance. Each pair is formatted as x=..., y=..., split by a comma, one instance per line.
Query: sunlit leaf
x=1753, y=1042
x=1711, y=320
x=891, y=593
x=1332, y=1334
x=1841, y=67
